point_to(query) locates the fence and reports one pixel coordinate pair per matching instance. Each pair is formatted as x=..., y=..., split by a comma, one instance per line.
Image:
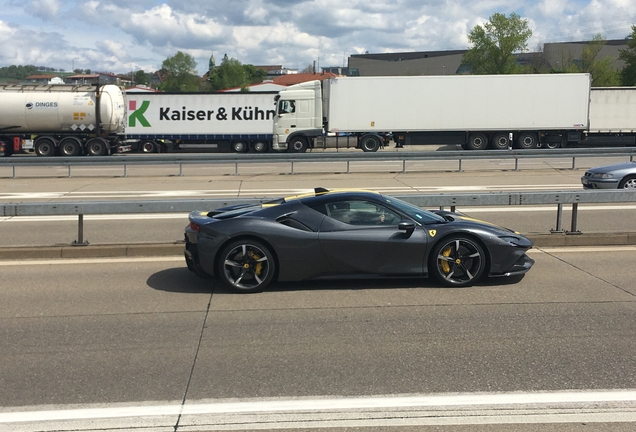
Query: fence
x=558, y=199
x=180, y=160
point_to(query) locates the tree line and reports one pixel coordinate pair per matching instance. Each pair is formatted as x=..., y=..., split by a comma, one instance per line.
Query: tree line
x=494, y=45
x=493, y=50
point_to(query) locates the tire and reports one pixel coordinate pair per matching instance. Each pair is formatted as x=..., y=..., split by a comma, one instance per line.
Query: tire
x=148, y=147
x=369, y=143
x=239, y=147
x=97, y=147
x=298, y=144
x=501, y=141
x=477, y=141
x=246, y=266
x=553, y=145
x=527, y=140
x=70, y=146
x=628, y=183
x=45, y=147
x=260, y=147
x=457, y=261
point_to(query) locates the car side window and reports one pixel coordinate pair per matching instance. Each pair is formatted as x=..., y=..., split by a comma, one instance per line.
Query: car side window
x=360, y=213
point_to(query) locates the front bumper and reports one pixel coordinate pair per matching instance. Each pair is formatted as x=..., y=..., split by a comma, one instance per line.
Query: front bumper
x=523, y=264
x=593, y=183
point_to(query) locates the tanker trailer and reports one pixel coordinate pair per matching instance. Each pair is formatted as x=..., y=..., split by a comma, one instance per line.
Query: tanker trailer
x=60, y=119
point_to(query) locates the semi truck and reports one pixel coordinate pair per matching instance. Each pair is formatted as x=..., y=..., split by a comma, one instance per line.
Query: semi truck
x=62, y=119
x=216, y=122
x=474, y=111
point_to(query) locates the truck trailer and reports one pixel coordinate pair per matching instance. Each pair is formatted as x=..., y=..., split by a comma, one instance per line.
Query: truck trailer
x=216, y=122
x=62, y=119
x=474, y=111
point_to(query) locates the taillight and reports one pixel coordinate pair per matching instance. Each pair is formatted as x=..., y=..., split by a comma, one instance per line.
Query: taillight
x=194, y=227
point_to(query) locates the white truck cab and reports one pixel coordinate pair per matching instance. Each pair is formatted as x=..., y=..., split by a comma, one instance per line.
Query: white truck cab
x=298, y=117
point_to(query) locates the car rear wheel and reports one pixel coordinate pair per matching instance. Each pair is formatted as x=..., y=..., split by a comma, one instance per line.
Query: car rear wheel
x=628, y=183
x=458, y=261
x=246, y=266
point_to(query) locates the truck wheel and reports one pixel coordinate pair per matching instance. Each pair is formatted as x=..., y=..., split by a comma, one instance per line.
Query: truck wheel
x=239, y=146
x=298, y=145
x=45, y=147
x=260, y=147
x=527, y=140
x=97, y=147
x=369, y=143
x=148, y=147
x=501, y=141
x=477, y=141
x=70, y=146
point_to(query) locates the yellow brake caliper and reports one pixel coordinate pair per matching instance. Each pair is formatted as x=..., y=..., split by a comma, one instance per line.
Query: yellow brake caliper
x=445, y=266
x=259, y=266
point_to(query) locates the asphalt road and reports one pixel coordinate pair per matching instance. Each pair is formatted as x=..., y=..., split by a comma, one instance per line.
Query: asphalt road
x=141, y=343
x=145, y=337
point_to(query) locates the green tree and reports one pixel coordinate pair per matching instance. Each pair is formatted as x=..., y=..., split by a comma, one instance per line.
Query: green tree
x=628, y=74
x=494, y=45
x=140, y=77
x=181, y=73
x=602, y=70
x=231, y=73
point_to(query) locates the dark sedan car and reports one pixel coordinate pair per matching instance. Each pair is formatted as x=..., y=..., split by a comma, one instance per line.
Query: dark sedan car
x=334, y=234
x=617, y=176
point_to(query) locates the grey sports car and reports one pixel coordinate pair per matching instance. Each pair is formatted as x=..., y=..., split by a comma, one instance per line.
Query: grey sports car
x=335, y=234
x=617, y=176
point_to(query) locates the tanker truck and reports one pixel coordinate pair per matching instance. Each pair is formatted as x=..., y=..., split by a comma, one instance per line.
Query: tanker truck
x=61, y=119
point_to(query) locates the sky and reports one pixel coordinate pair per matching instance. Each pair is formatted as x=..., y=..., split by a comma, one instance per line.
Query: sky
x=120, y=36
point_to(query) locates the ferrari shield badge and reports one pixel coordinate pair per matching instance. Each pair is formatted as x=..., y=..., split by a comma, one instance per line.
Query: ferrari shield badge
x=432, y=232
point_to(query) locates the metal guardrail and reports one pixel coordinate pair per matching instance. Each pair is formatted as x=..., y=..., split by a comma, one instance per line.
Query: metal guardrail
x=404, y=157
x=429, y=200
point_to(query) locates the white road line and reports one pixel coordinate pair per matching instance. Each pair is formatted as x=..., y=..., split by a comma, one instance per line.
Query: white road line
x=69, y=261
x=564, y=406
x=178, y=258
x=224, y=193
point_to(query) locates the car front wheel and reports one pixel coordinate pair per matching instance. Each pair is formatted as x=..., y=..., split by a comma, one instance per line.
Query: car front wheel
x=246, y=266
x=458, y=261
x=628, y=183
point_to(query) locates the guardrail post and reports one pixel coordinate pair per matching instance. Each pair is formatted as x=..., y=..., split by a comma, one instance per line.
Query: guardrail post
x=573, y=162
x=69, y=171
x=80, y=232
x=125, y=170
x=236, y=168
x=516, y=164
x=292, y=167
x=180, y=170
x=14, y=173
x=403, y=166
x=559, y=219
x=460, y=166
x=575, y=215
x=348, y=166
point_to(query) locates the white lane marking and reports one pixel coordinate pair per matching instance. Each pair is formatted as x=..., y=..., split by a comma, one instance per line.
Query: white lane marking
x=538, y=400
x=67, y=261
x=583, y=249
x=264, y=192
x=177, y=258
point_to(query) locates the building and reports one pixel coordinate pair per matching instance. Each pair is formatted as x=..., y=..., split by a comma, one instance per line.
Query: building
x=558, y=55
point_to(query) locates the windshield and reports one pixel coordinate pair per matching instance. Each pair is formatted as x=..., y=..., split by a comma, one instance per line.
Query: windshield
x=414, y=212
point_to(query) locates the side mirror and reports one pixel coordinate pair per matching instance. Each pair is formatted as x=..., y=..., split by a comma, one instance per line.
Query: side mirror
x=407, y=226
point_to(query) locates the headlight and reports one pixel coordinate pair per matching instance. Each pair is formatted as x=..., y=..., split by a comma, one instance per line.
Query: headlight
x=513, y=240
x=602, y=176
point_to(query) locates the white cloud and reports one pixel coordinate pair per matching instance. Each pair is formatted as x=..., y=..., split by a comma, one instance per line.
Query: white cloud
x=123, y=34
